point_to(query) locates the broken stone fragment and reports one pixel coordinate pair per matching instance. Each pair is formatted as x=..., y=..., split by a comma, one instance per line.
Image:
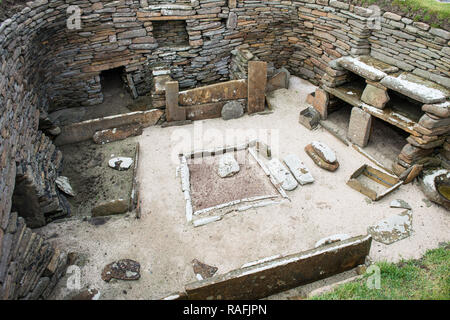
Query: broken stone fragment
x=331, y=239
x=124, y=269
x=282, y=175
x=110, y=207
x=398, y=203
x=89, y=294
x=228, y=166
x=64, y=185
x=392, y=229
x=232, y=110
x=203, y=271
x=298, y=169
x=120, y=163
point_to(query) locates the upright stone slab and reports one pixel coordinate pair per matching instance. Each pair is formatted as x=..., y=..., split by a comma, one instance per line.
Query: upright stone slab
x=320, y=103
x=375, y=96
x=359, y=127
x=173, y=111
x=257, y=79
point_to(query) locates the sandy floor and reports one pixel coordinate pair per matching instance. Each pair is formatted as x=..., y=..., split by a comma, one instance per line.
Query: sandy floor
x=165, y=244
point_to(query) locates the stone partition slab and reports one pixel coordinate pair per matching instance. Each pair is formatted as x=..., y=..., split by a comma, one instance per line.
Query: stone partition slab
x=271, y=277
x=230, y=90
x=85, y=130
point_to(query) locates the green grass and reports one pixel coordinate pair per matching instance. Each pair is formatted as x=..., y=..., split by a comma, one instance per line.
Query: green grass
x=424, y=279
x=430, y=11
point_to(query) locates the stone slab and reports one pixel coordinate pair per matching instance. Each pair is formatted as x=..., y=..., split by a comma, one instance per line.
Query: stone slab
x=257, y=79
x=359, y=127
x=298, y=169
x=367, y=67
x=173, y=111
x=85, y=130
x=392, y=229
x=263, y=279
x=416, y=88
x=375, y=96
x=229, y=90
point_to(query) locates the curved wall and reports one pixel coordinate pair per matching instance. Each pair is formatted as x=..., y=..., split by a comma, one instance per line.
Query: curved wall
x=46, y=66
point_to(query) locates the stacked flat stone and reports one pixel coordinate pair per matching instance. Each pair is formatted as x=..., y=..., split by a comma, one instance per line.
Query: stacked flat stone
x=29, y=266
x=239, y=63
x=369, y=95
x=37, y=175
x=161, y=75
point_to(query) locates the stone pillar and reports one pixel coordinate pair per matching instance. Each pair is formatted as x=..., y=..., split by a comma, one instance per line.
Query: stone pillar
x=375, y=95
x=173, y=111
x=257, y=79
x=359, y=127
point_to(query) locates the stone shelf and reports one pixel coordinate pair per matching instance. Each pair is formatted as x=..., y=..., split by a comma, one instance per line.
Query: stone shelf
x=393, y=115
x=398, y=112
x=350, y=92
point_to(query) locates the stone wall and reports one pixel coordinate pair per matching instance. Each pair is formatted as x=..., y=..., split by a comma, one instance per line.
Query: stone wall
x=47, y=66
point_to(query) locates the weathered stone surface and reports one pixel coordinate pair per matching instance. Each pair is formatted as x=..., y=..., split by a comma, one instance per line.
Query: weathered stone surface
x=232, y=110
x=110, y=207
x=120, y=163
x=298, y=169
x=321, y=101
x=202, y=270
x=375, y=96
x=331, y=239
x=85, y=130
x=257, y=78
x=64, y=185
x=441, y=110
x=282, y=175
x=229, y=90
x=416, y=88
x=261, y=280
x=399, y=203
x=318, y=160
x=115, y=134
x=392, y=229
x=360, y=127
x=228, y=166
x=427, y=182
x=429, y=123
x=173, y=111
x=279, y=81
x=309, y=117
x=124, y=269
x=367, y=67
x=324, y=152
x=232, y=20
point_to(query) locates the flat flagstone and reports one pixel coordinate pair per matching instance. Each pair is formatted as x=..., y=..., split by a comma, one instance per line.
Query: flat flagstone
x=416, y=88
x=392, y=229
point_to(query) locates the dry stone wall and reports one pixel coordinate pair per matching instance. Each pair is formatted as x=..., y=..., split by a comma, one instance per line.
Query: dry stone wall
x=46, y=66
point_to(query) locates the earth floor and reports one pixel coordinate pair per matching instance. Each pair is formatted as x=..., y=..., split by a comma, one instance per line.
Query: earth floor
x=165, y=244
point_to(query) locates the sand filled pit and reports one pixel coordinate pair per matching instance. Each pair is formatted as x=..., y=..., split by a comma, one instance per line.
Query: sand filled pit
x=208, y=189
